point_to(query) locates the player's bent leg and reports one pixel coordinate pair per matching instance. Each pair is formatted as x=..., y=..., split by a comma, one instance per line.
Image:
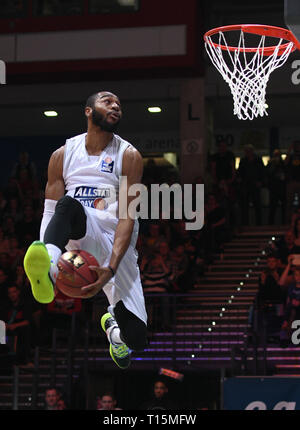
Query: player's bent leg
x=119, y=351
x=133, y=329
x=68, y=222
x=37, y=265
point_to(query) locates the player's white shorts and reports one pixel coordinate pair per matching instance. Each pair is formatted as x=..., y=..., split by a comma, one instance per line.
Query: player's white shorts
x=126, y=284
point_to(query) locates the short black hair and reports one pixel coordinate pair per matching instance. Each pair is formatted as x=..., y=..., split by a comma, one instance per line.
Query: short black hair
x=92, y=100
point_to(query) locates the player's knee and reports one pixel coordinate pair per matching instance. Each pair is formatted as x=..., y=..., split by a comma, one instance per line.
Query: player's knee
x=67, y=205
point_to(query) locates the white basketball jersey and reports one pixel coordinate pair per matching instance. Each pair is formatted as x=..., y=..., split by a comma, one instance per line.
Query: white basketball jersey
x=94, y=180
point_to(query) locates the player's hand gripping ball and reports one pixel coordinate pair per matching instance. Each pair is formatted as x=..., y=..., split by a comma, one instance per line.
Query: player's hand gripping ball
x=74, y=273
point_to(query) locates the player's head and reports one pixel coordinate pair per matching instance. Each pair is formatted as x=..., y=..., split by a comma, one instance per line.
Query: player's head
x=104, y=110
x=160, y=389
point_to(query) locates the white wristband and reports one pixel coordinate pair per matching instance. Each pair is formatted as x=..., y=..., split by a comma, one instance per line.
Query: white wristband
x=49, y=208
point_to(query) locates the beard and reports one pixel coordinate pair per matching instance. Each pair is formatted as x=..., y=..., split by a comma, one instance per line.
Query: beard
x=99, y=120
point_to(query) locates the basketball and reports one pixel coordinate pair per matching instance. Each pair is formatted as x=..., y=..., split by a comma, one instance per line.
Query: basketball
x=74, y=273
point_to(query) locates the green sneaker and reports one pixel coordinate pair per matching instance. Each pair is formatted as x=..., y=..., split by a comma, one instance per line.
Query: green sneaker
x=119, y=353
x=37, y=265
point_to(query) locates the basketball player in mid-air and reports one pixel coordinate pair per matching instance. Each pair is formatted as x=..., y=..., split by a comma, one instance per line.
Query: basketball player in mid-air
x=81, y=211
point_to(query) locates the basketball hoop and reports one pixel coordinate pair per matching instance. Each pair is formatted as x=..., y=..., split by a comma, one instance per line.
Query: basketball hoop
x=247, y=69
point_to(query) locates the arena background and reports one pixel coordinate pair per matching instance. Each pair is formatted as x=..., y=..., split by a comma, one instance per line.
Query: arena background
x=149, y=53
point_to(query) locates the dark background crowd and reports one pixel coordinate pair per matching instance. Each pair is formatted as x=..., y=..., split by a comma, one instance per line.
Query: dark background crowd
x=172, y=259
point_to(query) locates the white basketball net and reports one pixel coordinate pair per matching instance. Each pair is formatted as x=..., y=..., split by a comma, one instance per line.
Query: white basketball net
x=246, y=77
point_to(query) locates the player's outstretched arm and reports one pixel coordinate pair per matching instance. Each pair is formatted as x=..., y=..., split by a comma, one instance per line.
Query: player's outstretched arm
x=133, y=171
x=55, y=188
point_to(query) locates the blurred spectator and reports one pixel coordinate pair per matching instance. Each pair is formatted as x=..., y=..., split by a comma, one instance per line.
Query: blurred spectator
x=179, y=233
x=5, y=262
x=9, y=226
x=51, y=399
x=13, y=210
x=21, y=279
x=295, y=217
x=15, y=253
x=26, y=240
x=29, y=187
x=160, y=399
x=251, y=178
x=3, y=204
x=157, y=275
x=24, y=164
x=4, y=242
x=270, y=301
x=215, y=220
x=164, y=225
x=207, y=177
x=276, y=177
x=269, y=289
x=286, y=246
x=292, y=307
x=292, y=163
x=180, y=262
x=225, y=193
x=28, y=225
x=157, y=278
x=164, y=251
x=297, y=232
x=4, y=283
x=17, y=316
x=142, y=249
x=151, y=171
x=61, y=404
x=223, y=164
x=107, y=402
x=13, y=190
x=58, y=314
x=154, y=236
x=199, y=255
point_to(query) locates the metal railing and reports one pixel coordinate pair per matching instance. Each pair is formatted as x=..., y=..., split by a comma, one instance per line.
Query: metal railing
x=185, y=328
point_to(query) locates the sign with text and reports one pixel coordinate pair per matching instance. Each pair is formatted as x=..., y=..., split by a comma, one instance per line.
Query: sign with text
x=261, y=393
x=155, y=142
